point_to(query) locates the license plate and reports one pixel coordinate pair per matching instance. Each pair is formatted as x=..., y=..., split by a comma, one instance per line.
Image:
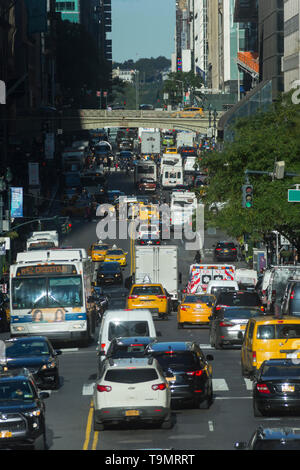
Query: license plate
x=132, y=413
x=5, y=434
x=287, y=388
x=226, y=251
x=171, y=379
x=292, y=355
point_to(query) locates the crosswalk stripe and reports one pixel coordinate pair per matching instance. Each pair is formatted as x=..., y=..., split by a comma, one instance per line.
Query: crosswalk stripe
x=220, y=385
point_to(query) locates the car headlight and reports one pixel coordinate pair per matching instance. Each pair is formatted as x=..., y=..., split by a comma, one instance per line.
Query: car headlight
x=50, y=365
x=33, y=413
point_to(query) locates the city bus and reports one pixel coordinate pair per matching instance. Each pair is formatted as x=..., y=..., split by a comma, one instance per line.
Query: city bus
x=50, y=295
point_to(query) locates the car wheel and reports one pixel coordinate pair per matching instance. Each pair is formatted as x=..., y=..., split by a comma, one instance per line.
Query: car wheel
x=41, y=442
x=180, y=326
x=98, y=426
x=256, y=411
x=56, y=382
x=167, y=423
x=212, y=343
x=218, y=344
x=205, y=404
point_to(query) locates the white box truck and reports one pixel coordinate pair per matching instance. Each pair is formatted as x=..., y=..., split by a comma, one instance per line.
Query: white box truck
x=42, y=240
x=159, y=264
x=150, y=143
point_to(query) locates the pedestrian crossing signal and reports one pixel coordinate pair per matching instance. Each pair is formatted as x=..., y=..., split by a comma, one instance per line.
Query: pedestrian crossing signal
x=247, y=190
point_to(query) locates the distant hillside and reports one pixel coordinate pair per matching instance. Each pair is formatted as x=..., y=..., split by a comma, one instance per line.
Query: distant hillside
x=150, y=69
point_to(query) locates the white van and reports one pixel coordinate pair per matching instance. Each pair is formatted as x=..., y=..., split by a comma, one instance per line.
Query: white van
x=125, y=323
x=214, y=287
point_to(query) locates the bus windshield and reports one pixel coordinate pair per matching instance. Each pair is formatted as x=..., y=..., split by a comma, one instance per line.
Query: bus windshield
x=47, y=292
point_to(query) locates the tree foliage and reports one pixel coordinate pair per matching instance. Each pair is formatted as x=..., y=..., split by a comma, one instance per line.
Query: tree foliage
x=259, y=142
x=181, y=82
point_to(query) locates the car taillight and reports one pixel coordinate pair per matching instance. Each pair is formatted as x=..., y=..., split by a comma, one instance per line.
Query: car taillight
x=161, y=296
x=103, y=388
x=292, y=295
x=132, y=297
x=184, y=307
x=218, y=249
x=225, y=323
x=161, y=386
x=218, y=307
x=102, y=346
x=195, y=373
x=262, y=388
x=254, y=357
x=262, y=308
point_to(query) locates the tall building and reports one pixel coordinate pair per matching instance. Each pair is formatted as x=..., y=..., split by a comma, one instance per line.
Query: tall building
x=291, y=59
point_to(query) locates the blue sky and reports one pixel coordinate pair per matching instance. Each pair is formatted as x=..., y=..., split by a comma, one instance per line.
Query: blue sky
x=142, y=29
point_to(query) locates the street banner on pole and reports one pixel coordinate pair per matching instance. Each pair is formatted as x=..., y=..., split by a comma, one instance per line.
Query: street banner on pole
x=16, y=209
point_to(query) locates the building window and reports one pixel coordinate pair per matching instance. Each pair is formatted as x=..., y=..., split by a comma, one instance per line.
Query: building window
x=65, y=6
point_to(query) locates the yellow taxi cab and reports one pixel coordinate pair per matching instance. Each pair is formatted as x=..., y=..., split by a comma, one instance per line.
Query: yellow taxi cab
x=171, y=150
x=116, y=254
x=189, y=112
x=148, y=212
x=195, y=309
x=150, y=296
x=269, y=337
x=98, y=251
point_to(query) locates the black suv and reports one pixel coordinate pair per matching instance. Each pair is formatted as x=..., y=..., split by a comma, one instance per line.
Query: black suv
x=109, y=273
x=22, y=411
x=267, y=438
x=225, y=251
x=187, y=371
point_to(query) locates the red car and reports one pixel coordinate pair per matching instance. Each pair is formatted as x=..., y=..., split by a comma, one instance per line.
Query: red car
x=147, y=184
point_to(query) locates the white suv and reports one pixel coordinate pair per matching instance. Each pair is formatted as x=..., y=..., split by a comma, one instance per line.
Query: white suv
x=146, y=229
x=132, y=389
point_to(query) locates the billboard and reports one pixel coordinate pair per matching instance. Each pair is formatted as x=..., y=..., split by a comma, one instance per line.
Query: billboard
x=16, y=205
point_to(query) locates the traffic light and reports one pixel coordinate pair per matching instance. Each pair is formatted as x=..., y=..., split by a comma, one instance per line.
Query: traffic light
x=247, y=196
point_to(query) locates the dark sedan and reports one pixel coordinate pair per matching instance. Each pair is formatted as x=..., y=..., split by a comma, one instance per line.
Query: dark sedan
x=187, y=370
x=225, y=251
x=276, y=387
x=36, y=354
x=109, y=273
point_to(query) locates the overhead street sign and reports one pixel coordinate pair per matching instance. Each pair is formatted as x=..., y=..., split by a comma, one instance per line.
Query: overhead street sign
x=294, y=195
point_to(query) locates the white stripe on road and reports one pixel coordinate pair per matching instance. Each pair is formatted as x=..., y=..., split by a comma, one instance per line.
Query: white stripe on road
x=220, y=385
x=249, y=384
x=88, y=389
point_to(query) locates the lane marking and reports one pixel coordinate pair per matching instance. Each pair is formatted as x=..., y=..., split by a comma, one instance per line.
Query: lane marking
x=220, y=385
x=88, y=426
x=210, y=426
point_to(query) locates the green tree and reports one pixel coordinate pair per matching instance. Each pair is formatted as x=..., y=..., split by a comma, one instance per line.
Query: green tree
x=259, y=142
x=181, y=82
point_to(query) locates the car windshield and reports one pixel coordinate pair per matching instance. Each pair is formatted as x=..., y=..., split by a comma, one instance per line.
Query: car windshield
x=16, y=390
x=147, y=290
x=100, y=247
x=127, y=350
x=114, y=252
x=125, y=329
x=241, y=313
x=26, y=348
x=176, y=360
x=217, y=289
x=281, y=371
x=277, y=444
x=226, y=245
x=131, y=376
x=247, y=299
x=28, y=293
x=282, y=331
x=198, y=299
x=109, y=268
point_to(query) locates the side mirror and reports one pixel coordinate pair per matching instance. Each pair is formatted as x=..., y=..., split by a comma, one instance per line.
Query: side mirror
x=240, y=335
x=180, y=278
x=158, y=333
x=58, y=352
x=101, y=353
x=210, y=357
x=44, y=395
x=93, y=284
